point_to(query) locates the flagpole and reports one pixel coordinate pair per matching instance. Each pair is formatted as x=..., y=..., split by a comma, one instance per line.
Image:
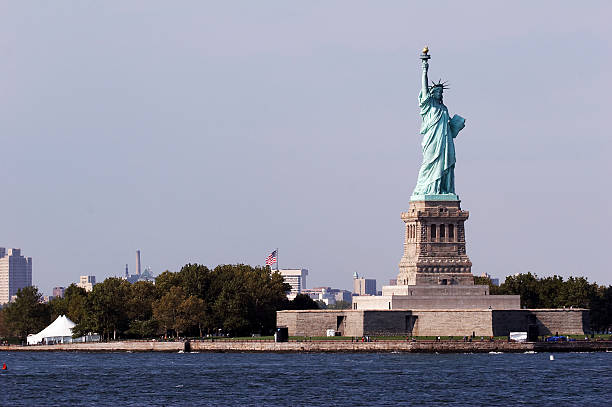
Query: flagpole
x=277, y=259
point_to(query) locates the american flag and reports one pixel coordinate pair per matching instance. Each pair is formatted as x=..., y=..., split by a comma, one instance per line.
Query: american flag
x=271, y=259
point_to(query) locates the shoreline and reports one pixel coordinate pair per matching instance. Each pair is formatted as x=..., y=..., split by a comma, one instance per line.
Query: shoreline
x=320, y=346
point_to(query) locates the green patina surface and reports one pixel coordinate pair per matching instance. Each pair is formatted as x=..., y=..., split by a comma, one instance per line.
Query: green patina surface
x=437, y=172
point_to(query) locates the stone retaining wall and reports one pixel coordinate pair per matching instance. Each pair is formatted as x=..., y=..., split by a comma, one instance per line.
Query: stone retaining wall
x=430, y=322
x=322, y=346
x=118, y=346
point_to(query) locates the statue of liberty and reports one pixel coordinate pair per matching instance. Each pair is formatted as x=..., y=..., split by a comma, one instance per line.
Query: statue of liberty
x=437, y=173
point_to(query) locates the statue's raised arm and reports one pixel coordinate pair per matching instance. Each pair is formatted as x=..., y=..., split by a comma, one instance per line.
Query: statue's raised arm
x=425, y=81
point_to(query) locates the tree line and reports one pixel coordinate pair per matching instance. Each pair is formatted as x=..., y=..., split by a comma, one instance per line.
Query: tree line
x=239, y=300
x=555, y=292
x=230, y=299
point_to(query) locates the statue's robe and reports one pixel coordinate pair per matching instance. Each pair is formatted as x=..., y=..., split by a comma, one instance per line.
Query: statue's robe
x=437, y=173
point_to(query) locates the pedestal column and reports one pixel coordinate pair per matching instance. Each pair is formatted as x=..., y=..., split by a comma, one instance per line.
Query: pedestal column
x=434, y=246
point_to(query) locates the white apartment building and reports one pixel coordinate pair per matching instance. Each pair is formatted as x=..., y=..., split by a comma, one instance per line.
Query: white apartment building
x=296, y=278
x=328, y=295
x=87, y=282
x=15, y=273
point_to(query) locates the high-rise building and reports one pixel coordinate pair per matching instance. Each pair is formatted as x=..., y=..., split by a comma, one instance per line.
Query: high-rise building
x=296, y=278
x=58, y=292
x=342, y=295
x=15, y=273
x=87, y=282
x=363, y=286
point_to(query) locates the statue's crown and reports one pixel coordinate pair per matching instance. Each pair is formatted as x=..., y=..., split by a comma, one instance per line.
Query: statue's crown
x=439, y=84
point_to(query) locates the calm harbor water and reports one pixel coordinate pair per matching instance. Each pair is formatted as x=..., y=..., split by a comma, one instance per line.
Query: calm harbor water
x=161, y=379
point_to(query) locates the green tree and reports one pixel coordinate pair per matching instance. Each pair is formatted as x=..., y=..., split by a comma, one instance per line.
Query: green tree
x=341, y=305
x=166, y=310
x=58, y=306
x=106, y=309
x=140, y=310
x=525, y=285
x=549, y=291
x=140, y=302
x=73, y=304
x=192, y=314
x=267, y=293
x=143, y=329
x=3, y=329
x=576, y=292
x=606, y=309
x=231, y=308
x=302, y=302
x=27, y=314
x=195, y=280
x=77, y=303
x=165, y=281
x=601, y=309
x=244, y=299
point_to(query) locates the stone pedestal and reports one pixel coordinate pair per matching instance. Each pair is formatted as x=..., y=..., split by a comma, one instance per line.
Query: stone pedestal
x=435, y=272
x=434, y=243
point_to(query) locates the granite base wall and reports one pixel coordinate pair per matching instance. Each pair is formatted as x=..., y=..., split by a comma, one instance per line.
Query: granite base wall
x=385, y=323
x=549, y=321
x=445, y=302
x=453, y=323
x=462, y=302
x=486, y=322
x=317, y=322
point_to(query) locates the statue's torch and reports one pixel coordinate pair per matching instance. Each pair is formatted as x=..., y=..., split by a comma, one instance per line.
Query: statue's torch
x=425, y=56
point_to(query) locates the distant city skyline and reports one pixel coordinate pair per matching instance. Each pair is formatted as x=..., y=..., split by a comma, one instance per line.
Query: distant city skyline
x=212, y=133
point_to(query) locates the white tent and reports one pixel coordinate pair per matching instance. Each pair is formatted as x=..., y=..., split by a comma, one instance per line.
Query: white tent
x=60, y=331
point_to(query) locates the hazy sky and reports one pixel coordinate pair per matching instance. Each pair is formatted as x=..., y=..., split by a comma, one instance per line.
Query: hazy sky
x=214, y=132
